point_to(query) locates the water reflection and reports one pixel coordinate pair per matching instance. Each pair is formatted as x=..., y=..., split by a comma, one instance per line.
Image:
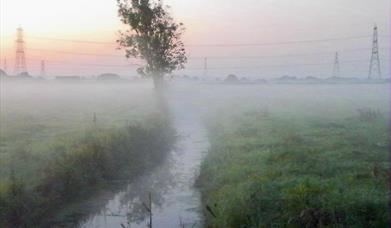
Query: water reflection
x=175, y=201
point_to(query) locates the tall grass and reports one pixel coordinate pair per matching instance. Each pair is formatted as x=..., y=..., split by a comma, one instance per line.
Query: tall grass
x=265, y=171
x=95, y=161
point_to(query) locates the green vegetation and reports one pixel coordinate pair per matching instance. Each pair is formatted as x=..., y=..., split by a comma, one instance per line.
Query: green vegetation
x=36, y=117
x=97, y=160
x=275, y=171
x=55, y=152
x=154, y=36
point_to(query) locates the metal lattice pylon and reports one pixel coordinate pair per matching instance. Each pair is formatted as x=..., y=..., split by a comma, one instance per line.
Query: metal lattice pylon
x=20, y=57
x=336, y=69
x=374, y=66
x=43, y=68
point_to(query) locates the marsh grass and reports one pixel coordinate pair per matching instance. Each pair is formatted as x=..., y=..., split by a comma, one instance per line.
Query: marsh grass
x=264, y=171
x=90, y=163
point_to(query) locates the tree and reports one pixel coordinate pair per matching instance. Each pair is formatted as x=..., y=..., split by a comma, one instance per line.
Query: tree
x=153, y=36
x=232, y=78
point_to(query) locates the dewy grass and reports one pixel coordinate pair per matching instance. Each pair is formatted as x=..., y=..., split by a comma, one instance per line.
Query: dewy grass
x=265, y=171
x=99, y=158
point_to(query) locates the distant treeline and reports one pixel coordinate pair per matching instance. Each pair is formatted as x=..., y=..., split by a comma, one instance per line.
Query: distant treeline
x=230, y=79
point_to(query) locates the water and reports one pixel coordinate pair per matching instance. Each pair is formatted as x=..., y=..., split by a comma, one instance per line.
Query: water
x=175, y=200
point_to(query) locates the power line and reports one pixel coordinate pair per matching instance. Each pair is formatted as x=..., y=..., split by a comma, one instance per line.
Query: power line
x=216, y=45
x=276, y=56
x=280, y=65
x=278, y=43
x=203, y=45
x=200, y=58
x=74, y=53
x=70, y=40
x=198, y=68
x=87, y=64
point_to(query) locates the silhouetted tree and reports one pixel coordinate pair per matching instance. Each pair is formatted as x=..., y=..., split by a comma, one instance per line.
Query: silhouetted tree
x=231, y=78
x=153, y=36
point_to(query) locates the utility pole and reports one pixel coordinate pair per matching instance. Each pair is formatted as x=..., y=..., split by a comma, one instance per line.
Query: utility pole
x=336, y=66
x=20, y=57
x=374, y=66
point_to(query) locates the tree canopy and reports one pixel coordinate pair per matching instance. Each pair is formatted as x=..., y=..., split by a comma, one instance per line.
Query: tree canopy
x=153, y=36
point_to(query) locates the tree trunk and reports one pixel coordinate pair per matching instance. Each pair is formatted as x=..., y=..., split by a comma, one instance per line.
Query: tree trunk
x=161, y=98
x=158, y=81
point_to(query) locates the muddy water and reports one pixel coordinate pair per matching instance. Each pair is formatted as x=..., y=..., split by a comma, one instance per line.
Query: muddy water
x=175, y=201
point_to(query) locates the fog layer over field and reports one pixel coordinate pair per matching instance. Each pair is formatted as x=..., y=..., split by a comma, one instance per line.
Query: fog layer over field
x=36, y=115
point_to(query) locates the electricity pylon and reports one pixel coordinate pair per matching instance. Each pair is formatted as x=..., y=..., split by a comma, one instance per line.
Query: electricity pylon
x=43, y=69
x=336, y=69
x=374, y=66
x=20, y=57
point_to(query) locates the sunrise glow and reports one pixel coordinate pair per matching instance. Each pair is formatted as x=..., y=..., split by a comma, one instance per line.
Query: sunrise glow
x=50, y=26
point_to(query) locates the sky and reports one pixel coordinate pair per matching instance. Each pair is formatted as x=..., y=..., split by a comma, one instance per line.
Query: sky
x=250, y=38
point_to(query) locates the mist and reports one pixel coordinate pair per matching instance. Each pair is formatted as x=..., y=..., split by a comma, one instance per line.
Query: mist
x=195, y=114
x=37, y=116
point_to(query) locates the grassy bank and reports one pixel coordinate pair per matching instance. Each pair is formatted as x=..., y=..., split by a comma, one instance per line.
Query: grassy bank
x=62, y=142
x=36, y=116
x=96, y=161
x=268, y=171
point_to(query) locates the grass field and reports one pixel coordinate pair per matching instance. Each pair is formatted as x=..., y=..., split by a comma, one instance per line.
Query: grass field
x=289, y=166
x=36, y=115
x=62, y=141
x=281, y=155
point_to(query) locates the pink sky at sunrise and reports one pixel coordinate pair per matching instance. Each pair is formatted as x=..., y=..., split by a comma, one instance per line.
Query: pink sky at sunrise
x=51, y=25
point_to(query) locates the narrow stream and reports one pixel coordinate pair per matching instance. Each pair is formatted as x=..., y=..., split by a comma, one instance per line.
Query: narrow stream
x=175, y=200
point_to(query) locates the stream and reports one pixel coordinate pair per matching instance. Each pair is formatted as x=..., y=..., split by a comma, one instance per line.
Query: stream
x=175, y=200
